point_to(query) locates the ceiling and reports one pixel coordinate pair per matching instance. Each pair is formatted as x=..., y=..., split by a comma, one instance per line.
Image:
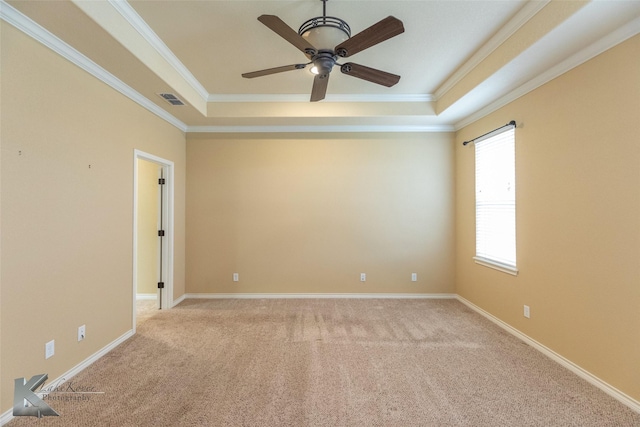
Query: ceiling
x=458, y=60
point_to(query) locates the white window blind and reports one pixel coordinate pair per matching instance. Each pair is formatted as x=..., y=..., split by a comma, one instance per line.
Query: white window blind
x=496, y=199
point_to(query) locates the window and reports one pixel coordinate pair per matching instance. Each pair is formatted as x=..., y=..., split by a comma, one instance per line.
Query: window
x=496, y=200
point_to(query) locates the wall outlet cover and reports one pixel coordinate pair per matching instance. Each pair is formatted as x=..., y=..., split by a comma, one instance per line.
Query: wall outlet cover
x=49, y=349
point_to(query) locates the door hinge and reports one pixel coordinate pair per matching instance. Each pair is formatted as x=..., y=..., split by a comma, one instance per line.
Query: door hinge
x=161, y=181
x=160, y=233
x=160, y=285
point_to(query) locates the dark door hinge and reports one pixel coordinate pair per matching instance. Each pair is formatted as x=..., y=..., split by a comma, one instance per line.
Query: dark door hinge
x=161, y=181
x=160, y=285
x=160, y=233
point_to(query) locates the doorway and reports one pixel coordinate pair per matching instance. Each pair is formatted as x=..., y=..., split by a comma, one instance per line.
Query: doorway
x=152, y=234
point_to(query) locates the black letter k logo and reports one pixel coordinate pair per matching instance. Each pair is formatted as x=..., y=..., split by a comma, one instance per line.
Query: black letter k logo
x=24, y=392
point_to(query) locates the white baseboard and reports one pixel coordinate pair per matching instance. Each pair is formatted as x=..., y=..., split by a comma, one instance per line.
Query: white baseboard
x=592, y=379
x=586, y=375
x=8, y=415
x=179, y=300
x=319, y=295
x=146, y=297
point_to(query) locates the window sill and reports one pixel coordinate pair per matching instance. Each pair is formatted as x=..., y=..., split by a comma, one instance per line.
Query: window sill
x=505, y=268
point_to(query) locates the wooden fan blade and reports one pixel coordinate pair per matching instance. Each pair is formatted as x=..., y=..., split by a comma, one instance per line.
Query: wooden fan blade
x=370, y=74
x=273, y=70
x=377, y=33
x=278, y=26
x=320, y=83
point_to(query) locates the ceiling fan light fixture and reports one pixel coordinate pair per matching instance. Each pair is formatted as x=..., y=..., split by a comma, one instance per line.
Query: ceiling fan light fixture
x=324, y=39
x=323, y=62
x=325, y=32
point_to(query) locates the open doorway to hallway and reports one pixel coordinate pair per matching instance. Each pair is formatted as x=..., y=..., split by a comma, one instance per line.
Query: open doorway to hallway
x=148, y=225
x=152, y=237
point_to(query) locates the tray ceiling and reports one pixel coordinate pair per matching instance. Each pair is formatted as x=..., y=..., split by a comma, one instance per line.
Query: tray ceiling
x=457, y=59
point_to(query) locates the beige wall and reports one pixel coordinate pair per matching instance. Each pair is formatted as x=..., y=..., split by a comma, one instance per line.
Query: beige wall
x=308, y=214
x=294, y=213
x=68, y=145
x=148, y=249
x=578, y=218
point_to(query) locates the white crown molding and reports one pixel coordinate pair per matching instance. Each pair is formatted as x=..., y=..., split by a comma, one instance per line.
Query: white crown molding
x=40, y=34
x=582, y=373
x=317, y=296
x=329, y=98
x=319, y=129
x=607, y=42
x=528, y=11
x=136, y=21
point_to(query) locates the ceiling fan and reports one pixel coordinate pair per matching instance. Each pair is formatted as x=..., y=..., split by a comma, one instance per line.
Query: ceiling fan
x=323, y=40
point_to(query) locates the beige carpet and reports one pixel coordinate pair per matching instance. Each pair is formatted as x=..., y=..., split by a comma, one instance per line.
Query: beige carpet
x=329, y=363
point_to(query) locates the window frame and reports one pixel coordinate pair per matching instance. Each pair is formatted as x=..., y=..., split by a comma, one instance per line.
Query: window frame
x=481, y=256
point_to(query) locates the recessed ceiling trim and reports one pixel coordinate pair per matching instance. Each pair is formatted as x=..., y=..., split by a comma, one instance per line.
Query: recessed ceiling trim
x=528, y=11
x=607, y=42
x=152, y=38
x=319, y=129
x=328, y=98
x=46, y=38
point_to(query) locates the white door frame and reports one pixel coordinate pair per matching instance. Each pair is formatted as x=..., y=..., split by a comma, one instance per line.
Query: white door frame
x=167, y=215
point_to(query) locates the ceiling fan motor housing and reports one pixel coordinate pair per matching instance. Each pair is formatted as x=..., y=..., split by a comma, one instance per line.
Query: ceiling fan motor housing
x=324, y=61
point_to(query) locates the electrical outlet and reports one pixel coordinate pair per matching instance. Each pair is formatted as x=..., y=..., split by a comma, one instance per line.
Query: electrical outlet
x=363, y=277
x=49, y=349
x=527, y=312
x=81, y=332
x=414, y=277
x=236, y=277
